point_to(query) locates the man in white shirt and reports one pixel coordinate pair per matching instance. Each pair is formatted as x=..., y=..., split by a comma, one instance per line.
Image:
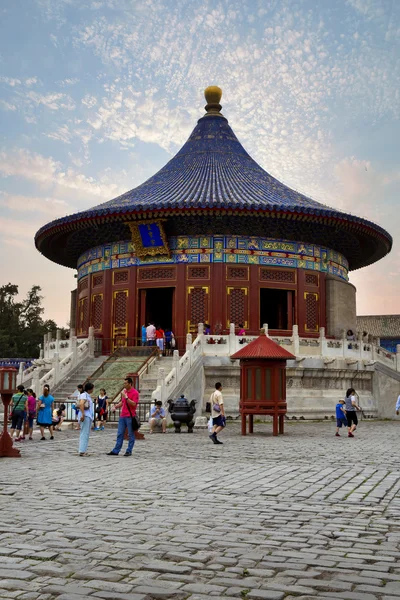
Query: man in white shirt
x=217, y=413
x=151, y=334
x=398, y=405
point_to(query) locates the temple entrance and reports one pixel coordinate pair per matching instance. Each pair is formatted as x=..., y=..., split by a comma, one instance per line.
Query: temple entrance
x=156, y=306
x=276, y=308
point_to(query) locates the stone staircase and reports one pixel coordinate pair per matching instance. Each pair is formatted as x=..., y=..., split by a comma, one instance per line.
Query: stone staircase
x=68, y=387
x=148, y=382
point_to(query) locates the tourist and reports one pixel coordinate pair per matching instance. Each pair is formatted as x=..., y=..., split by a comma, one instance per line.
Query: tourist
x=398, y=405
x=101, y=409
x=351, y=407
x=31, y=409
x=45, y=412
x=19, y=406
x=158, y=417
x=340, y=417
x=58, y=417
x=207, y=329
x=144, y=335
x=151, y=335
x=160, y=339
x=169, y=340
x=350, y=336
x=241, y=330
x=76, y=396
x=86, y=416
x=217, y=413
x=128, y=403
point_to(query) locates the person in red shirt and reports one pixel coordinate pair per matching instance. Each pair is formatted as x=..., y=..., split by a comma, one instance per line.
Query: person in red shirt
x=160, y=335
x=129, y=398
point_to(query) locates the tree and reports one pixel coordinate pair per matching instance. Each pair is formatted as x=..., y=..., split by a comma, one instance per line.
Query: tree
x=21, y=324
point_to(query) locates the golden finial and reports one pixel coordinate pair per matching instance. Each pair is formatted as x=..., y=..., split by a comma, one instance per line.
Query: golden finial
x=213, y=95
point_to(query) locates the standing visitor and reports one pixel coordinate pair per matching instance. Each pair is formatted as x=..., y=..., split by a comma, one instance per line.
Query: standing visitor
x=144, y=335
x=242, y=330
x=102, y=409
x=19, y=406
x=169, y=341
x=31, y=407
x=160, y=339
x=86, y=416
x=398, y=405
x=128, y=403
x=340, y=417
x=45, y=412
x=207, y=329
x=217, y=413
x=151, y=334
x=351, y=407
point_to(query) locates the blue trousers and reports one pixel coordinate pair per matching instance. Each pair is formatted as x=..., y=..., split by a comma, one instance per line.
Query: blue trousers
x=123, y=423
x=84, y=434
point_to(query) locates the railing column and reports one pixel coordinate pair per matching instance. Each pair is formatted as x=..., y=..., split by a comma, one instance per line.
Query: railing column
x=161, y=383
x=175, y=359
x=20, y=373
x=58, y=339
x=56, y=367
x=35, y=381
x=91, y=342
x=265, y=327
x=189, y=347
x=296, y=340
x=232, y=339
x=74, y=350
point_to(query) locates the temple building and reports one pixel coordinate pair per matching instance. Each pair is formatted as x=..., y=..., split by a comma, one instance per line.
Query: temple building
x=212, y=238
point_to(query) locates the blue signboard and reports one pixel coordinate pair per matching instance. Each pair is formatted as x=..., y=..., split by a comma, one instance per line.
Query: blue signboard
x=151, y=235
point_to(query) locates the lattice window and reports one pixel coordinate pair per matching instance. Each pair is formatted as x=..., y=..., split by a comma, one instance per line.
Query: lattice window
x=311, y=279
x=237, y=302
x=198, y=305
x=83, y=285
x=97, y=311
x=97, y=280
x=237, y=273
x=198, y=273
x=312, y=321
x=156, y=273
x=83, y=315
x=120, y=306
x=276, y=275
x=120, y=276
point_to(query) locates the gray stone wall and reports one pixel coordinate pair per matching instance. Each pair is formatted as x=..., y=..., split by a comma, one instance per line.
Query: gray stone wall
x=340, y=306
x=387, y=389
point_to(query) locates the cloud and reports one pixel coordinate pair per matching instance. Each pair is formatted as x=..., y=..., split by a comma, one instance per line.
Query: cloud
x=7, y=106
x=50, y=174
x=53, y=101
x=51, y=207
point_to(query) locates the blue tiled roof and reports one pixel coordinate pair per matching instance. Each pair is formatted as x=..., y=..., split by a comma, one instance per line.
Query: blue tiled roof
x=213, y=171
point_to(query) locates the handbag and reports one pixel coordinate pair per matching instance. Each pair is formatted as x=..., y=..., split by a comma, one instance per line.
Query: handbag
x=215, y=405
x=136, y=424
x=216, y=408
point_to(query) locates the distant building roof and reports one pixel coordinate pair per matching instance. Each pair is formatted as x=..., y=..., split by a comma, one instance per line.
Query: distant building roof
x=263, y=347
x=383, y=326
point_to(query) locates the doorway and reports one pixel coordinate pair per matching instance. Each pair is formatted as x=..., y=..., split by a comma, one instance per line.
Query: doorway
x=274, y=308
x=156, y=306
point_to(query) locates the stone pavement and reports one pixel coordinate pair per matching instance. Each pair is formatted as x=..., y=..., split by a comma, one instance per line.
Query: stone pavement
x=306, y=515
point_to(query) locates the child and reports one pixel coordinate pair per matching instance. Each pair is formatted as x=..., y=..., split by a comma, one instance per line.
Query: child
x=102, y=409
x=340, y=417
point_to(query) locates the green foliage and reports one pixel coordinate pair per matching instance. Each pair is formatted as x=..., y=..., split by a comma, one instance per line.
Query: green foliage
x=21, y=323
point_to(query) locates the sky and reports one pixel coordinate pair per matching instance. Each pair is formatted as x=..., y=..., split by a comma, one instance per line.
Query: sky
x=97, y=95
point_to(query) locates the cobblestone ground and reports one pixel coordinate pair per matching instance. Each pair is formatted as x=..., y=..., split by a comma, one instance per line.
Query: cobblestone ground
x=306, y=515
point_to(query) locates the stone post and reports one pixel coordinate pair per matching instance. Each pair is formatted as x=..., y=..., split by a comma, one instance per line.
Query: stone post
x=189, y=348
x=265, y=327
x=74, y=350
x=45, y=346
x=91, y=342
x=175, y=359
x=322, y=341
x=232, y=339
x=58, y=340
x=56, y=367
x=161, y=383
x=296, y=340
x=35, y=381
x=20, y=373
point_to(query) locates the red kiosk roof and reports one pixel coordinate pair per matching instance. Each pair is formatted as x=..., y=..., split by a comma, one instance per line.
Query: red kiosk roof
x=263, y=347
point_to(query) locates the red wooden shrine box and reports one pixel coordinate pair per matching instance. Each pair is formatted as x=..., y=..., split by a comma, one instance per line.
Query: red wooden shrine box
x=263, y=382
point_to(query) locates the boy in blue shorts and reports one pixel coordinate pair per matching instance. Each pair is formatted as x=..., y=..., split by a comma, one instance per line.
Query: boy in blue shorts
x=341, y=420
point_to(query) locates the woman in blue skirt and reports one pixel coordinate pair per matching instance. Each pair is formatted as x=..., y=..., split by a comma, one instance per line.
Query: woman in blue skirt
x=45, y=412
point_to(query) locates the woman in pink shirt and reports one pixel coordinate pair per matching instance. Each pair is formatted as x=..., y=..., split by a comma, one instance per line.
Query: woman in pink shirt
x=31, y=411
